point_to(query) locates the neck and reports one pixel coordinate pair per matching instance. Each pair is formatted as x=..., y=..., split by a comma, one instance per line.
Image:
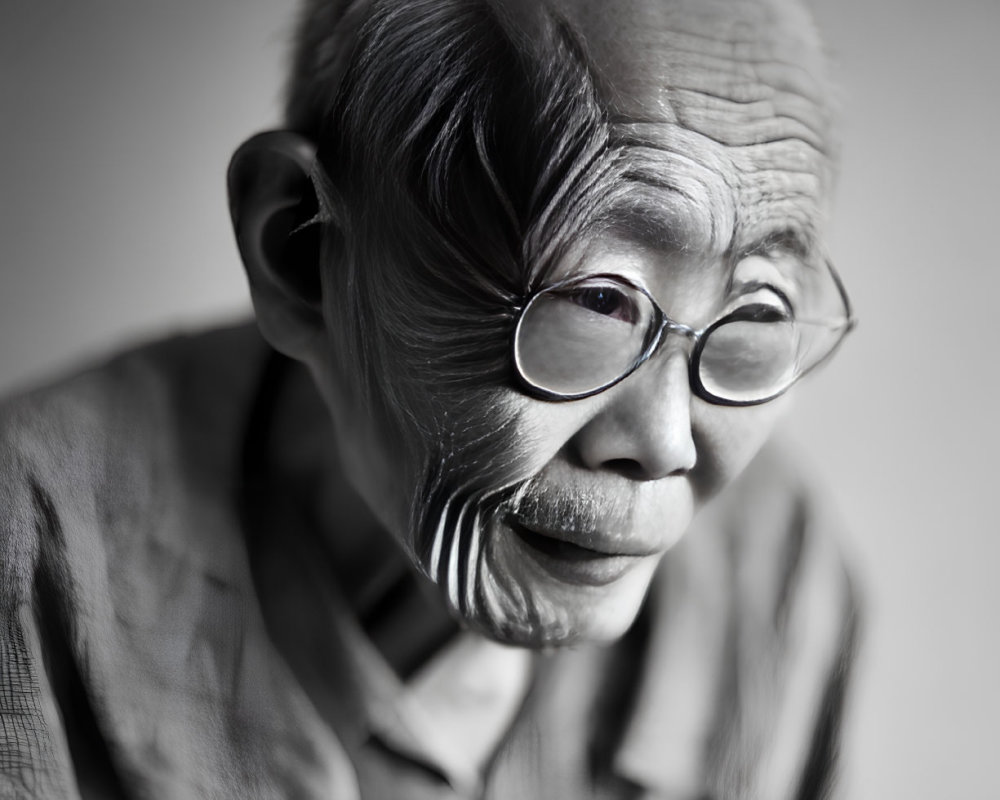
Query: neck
x=399, y=609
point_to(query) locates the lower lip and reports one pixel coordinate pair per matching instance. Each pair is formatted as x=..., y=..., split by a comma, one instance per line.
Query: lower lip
x=570, y=563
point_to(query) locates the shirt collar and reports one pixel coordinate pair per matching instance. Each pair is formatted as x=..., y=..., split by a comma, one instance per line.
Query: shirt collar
x=665, y=741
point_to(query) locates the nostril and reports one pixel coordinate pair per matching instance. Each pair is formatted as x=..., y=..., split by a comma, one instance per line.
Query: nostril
x=637, y=470
x=648, y=467
x=626, y=467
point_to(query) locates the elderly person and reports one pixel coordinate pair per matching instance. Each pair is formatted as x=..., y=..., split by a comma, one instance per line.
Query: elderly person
x=533, y=280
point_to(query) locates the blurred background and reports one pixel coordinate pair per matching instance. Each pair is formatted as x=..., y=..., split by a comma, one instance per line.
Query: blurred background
x=118, y=119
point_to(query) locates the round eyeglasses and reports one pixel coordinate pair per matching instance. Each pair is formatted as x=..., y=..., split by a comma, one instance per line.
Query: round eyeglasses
x=581, y=336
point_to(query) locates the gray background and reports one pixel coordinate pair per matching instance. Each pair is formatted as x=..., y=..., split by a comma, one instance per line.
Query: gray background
x=118, y=118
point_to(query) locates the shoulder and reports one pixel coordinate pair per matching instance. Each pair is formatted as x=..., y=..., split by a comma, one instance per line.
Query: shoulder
x=125, y=592
x=106, y=444
x=156, y=382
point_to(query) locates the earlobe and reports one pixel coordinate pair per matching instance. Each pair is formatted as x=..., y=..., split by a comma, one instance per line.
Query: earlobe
x=274, y=207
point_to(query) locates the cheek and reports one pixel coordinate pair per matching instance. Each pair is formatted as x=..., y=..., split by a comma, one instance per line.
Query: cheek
x=508, y=438
x=727, y=438
x=476, y=458
x=546, y=427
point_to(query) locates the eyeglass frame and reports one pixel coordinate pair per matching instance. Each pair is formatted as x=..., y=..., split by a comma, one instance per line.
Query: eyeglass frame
x=667, y=326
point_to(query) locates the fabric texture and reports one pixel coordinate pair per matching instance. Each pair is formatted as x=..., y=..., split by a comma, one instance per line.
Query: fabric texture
x=139, y=658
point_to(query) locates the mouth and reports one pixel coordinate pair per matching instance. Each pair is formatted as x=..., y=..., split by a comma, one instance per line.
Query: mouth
x=571, y=562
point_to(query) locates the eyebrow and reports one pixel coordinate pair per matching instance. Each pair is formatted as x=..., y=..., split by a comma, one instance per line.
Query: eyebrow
x=665, y=226
x=790, y=241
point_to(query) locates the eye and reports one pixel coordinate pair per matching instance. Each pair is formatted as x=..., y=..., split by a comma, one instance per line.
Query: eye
x=606, y=300
x=761, y=312
x=762, y=303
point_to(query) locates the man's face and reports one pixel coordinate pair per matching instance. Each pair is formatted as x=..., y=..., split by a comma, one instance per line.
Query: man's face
x=562, y=543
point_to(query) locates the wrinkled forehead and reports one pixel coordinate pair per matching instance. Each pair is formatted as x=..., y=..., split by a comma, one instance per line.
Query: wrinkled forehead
x=725, y=104
x=656, y=52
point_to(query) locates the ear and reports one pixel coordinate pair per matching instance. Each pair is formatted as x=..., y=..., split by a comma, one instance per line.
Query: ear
x=272, y=199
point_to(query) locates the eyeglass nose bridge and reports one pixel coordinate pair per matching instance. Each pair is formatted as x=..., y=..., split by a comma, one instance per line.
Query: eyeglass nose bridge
x=668, y=326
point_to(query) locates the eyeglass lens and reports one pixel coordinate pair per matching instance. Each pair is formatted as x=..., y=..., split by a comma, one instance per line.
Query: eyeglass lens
x=743, y=360
x=576, y=339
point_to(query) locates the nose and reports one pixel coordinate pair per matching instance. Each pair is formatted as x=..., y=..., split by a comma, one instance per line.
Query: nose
x=644, y=432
